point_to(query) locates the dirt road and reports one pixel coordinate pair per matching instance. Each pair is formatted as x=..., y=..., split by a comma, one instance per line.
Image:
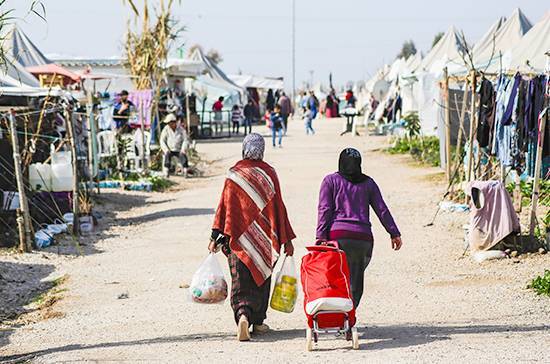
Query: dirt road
x=422, y=304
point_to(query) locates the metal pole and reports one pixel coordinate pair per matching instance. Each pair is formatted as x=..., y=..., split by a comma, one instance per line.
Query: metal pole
x=24, y=241
x=294, y=52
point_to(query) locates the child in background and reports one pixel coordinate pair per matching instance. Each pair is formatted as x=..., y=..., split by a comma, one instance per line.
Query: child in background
x=236, y=118
x=308, y=120
x=277, y=125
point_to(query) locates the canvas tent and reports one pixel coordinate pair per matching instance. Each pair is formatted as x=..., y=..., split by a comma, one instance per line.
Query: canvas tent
x=212, y=71
x=529, y=53
x=488, y=51
x=23, y=50
x=448, y=52
x=185, y=67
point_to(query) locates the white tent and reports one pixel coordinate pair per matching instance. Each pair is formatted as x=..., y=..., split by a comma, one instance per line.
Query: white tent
x=246, y=81
x=448, y=52
x=486, y=41
x=184, y=67
x=488, y=55
x=214, y=72
x=23, y=50
x=413, y=62
x=529, y=53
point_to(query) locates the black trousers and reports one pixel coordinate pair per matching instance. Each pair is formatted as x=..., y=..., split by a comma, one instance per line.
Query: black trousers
x=358, y=256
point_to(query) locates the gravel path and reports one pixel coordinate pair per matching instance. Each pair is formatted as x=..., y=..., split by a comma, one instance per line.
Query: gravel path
x=424, y=303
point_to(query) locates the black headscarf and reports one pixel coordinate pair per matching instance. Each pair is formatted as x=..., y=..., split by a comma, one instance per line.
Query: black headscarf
x=349, y=166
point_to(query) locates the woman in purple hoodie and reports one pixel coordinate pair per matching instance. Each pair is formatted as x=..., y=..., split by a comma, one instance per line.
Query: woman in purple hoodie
x=344, y=202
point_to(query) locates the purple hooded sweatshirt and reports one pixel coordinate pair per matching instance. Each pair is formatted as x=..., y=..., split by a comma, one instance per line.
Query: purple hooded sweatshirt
x=344, y=209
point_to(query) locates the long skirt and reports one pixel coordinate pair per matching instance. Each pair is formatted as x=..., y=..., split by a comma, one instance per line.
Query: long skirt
x=246, y=297
x=358, y=256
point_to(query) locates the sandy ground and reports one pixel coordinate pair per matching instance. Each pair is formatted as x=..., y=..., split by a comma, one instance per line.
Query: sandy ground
x=425, y=303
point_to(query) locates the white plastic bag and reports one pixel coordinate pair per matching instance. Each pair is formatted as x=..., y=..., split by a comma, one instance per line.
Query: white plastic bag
x=208, y=284
x=285, y=291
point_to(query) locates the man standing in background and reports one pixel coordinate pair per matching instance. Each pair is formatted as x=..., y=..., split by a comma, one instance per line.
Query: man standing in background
x=286, y=109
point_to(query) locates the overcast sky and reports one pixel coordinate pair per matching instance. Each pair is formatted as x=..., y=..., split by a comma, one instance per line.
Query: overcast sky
x=350, y=38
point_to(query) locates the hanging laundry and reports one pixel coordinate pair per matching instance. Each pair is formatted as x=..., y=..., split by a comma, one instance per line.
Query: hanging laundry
x=504, y=128
x=486, y=112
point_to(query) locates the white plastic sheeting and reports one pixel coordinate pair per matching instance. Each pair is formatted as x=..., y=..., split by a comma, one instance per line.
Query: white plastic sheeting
x=258, y=82
x=529, y=54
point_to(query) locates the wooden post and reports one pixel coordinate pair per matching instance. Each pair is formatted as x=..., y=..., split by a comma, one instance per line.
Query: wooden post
x=472, y=126
x=25, y=240
x=74, y=161
x=142, y=118
x=447, y=124
x=91, y=138
x=461, y=131
x=536, y=182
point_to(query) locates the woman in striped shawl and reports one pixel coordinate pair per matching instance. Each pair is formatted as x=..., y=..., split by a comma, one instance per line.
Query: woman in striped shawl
x=251, y=225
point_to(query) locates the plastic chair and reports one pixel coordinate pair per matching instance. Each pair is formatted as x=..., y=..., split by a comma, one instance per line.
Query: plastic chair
x=106, y=143
x=138, y=146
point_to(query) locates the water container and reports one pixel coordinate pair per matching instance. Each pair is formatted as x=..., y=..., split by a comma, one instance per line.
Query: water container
x=62, y=177
x=40, y=177
x=42, y=238
x=61, y=157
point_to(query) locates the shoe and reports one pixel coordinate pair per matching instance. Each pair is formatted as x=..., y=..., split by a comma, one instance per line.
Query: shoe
x=260, y=329
x=242, y=329
x=280, y=146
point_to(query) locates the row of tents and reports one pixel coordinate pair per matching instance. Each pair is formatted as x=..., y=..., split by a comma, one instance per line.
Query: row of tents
x=510, y=45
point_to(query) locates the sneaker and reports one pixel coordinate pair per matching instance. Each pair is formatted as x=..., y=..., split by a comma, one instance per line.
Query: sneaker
x=260, y=329
x=280, y=146
x=242, y=329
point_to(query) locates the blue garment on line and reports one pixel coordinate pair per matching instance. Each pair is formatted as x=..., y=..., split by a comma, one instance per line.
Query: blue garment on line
x=507, y=89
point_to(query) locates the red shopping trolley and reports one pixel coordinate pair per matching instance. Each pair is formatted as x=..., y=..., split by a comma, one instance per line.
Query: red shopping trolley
x=328, y=302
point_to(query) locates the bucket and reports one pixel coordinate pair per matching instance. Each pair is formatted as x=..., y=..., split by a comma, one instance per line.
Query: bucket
x=68, y=217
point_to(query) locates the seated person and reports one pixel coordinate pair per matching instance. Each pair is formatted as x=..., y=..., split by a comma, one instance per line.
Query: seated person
x=173, y=142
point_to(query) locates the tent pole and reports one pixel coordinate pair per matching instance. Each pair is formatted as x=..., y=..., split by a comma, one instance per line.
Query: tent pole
x=24, y=240
x=447, y=125
x=461, y=131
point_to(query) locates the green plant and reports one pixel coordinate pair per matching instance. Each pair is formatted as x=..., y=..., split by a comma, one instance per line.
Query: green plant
x=160, y=184
x=423, y=149
x=412, y=124
x=541, y=284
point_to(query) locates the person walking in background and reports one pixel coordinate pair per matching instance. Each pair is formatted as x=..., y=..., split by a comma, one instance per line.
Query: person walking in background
x=343, y=215
x=236, y=118
x=270, y=101
x=308, y=121
x=286, y=109
x=249, y=113
x=250, y=226
x=173, y=143
x=351, y=100
x=217, y=109
x=276, y=123
x=313, y=104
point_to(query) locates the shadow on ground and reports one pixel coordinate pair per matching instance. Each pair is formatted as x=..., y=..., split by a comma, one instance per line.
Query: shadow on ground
x=20, y=284
x=379, y=338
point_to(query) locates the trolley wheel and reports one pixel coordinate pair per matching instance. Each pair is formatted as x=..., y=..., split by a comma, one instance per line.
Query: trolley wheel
x=309, y=339
x=354, y=338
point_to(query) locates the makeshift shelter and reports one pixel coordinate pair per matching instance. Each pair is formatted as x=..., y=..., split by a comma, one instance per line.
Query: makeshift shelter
x=529, y=53
x=185, y=67
x=53, y=74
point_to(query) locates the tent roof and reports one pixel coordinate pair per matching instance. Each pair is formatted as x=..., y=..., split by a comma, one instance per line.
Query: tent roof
x=213, y=71
x=23, y=50
x=258, y=81
x=449, y=50
x=532, y=48
x=486, y=40
x=185, y=67
x=503, y=39
x=414, y=61
x=53, y=69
